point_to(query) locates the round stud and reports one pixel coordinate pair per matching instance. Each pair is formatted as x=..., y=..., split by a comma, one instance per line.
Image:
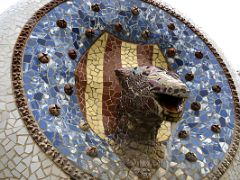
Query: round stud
x=195, y=106
x=216, y=88
x=95, y=7
x=135, y=11
x=43, y=58
x=171, y=26
x=84, y=126
x=216, y=128
x=118, y=27
x=171, y=52
x=68, y=89
x=199, y=55
x=54, y=109
x=89, y=33
x=191, y=157
x=189, y=76
x=146, y=34
x=183, y=134
x=92, y=151
x=72, y=54
x=62, y=23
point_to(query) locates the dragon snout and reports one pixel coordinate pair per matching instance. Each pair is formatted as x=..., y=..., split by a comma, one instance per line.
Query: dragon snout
x=182, y=91
x=174, y=90
x=171, y=98
x=172, y=101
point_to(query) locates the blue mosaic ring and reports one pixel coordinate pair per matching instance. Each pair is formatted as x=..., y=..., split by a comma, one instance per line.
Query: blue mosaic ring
x=45, y=61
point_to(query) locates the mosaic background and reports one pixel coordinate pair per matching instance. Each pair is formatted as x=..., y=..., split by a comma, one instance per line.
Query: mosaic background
x=207, y=73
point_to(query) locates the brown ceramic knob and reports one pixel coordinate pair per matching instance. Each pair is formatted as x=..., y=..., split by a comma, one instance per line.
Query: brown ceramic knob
x=191, y=157
x=195, y=106
x=43, y=58
x=216, y=88
x=199, y=55
x=118, y=27
x=171, y=52
x=189, y=76
x=54, y=109
x=72, y=54
x=95, y=7
x=183, y=134
x=92, y=151
x=62, y=23
x=89, y=32
x=68, y=89
x=146, y=34
x=135, y=11
x=216, y=128
x=171, y=26
x=84, y=126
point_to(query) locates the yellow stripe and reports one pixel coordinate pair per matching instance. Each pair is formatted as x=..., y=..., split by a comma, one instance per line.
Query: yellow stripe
x=94, y=89
x=129, y=55
x=164, y=132
x=158, y=59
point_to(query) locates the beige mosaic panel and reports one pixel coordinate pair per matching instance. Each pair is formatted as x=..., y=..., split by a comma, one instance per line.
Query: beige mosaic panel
x=129, y=55
x=164, y=132
x=94, y=89
x=20, y=157
x=158, y=59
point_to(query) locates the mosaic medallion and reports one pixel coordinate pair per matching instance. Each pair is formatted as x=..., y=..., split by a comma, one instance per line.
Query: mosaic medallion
x=125, y=89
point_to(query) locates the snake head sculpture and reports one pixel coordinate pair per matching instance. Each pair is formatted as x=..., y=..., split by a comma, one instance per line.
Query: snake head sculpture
x=152, y=92
x=150, y=95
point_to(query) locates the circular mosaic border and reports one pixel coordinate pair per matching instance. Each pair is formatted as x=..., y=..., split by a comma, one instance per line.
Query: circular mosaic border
x=42, y=140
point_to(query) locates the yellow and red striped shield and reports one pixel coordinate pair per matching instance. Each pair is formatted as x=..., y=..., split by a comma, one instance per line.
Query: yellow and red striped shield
x=97, y=86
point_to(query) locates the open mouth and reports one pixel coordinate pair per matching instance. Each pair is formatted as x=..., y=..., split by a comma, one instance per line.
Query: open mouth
x=170, y=103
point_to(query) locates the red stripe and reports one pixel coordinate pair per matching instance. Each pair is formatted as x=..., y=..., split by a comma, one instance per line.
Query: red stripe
x=144, y=55
x=81, y=82
x=111, y=87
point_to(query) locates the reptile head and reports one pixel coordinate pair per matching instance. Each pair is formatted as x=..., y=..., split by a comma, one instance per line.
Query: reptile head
x=152, y=92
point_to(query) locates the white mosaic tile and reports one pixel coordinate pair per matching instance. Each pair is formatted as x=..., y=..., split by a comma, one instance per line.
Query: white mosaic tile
x=20, y=157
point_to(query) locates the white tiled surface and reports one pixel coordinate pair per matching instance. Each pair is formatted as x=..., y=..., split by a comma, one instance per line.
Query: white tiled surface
x=20, y=157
